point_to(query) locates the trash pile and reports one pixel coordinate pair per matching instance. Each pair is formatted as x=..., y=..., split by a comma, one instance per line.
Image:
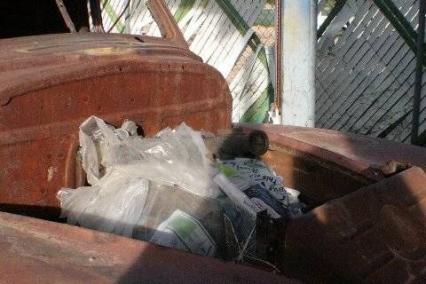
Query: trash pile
x=182, y=189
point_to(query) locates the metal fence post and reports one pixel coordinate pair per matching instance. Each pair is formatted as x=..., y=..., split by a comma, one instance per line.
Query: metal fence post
x=298, y=49
x=278, y=53
x=419, y=73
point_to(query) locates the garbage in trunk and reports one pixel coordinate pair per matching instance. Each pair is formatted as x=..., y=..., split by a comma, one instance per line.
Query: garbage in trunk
x=261, y=185
x=167, y=190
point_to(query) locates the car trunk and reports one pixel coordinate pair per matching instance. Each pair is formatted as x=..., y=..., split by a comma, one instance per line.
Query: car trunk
x=50, y=84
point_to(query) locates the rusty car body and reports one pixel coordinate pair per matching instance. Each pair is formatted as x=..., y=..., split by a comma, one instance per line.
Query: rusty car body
x=365, y=224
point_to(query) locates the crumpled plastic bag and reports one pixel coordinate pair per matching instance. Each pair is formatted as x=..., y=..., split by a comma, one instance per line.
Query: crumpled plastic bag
x=175, y=157
x=120, y=166
x=113, y=205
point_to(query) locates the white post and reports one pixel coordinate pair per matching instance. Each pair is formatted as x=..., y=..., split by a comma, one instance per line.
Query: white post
x=298, y=26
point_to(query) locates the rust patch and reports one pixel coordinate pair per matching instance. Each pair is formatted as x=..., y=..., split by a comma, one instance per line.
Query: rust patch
x=375, y=234
x=40, y=251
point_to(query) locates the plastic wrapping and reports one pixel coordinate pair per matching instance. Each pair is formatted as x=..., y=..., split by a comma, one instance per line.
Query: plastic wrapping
x=114, y=205
x=175, y=157
x=121, y=168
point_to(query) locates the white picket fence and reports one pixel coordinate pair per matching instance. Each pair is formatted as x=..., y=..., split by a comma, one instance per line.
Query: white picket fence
x=210, y=33
x=365, y=73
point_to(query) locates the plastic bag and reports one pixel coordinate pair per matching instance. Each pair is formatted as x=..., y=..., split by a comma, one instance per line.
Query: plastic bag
x=175, y=157
x=114, y=205
x=121, y=167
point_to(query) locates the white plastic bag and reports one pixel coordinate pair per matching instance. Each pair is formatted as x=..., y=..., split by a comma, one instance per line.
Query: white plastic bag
x=120, y=167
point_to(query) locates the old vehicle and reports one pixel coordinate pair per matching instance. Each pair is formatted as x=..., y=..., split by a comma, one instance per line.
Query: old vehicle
x=366, y=223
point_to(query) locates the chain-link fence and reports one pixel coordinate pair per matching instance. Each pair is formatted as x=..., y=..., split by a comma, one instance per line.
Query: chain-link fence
x=366, y=69
x=264, y=27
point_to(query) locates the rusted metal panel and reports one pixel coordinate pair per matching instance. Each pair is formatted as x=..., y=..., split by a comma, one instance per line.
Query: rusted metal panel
x=326, y=164
x=360, y=154
x=376, y=234
x=50, y=84
x=36, y=251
